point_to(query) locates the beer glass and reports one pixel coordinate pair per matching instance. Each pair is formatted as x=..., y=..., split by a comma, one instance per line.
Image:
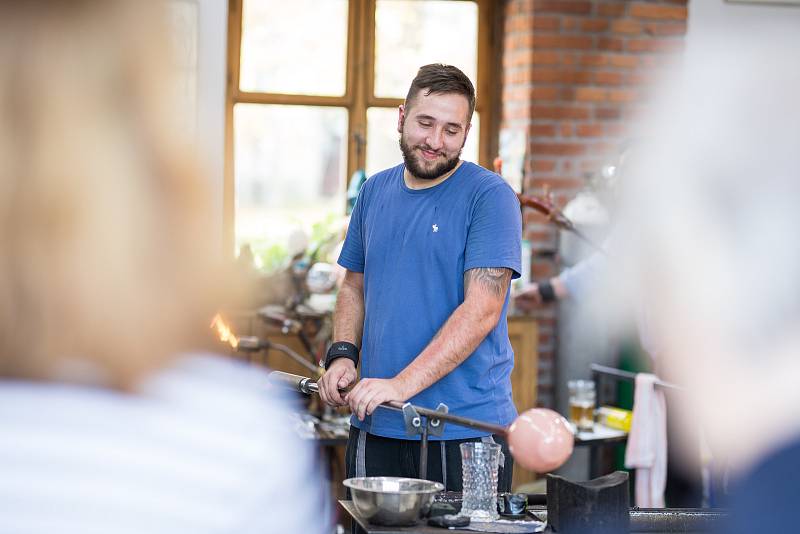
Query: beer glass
x=581, y=404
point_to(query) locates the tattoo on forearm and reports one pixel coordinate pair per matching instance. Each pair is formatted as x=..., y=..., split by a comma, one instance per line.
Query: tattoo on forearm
x=493, y=279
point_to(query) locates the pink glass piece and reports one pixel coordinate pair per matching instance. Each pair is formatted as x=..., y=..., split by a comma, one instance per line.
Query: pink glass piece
x=540, y=440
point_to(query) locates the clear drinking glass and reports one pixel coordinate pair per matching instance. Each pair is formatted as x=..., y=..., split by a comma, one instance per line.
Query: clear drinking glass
x=479, y=464
x=581, y=403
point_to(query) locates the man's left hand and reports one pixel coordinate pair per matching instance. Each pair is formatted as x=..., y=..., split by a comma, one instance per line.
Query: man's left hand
x=370, y=392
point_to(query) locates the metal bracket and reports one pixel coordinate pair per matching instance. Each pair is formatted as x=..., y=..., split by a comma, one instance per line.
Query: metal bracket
x=415, y=423
x=431, y=425
x=412, y=419
x=436, y=425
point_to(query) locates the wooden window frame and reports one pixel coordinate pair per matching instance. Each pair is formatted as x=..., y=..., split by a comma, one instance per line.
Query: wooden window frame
x=359, y=91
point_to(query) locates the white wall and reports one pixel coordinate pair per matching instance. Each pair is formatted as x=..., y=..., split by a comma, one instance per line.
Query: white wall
x=739, y=20
x=212, y=59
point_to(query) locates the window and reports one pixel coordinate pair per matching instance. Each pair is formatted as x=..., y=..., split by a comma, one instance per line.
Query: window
x=313, y=90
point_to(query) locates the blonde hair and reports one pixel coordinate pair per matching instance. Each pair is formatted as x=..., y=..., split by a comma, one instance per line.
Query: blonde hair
x=106, y=263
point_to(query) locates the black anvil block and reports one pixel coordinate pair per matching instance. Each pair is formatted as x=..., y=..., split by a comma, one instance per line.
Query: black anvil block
x=599, y=506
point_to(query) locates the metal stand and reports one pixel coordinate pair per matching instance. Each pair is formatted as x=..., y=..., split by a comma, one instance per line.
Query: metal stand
x=431, y=425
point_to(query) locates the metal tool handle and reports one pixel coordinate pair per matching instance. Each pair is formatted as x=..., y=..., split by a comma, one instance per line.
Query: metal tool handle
x=299, y=383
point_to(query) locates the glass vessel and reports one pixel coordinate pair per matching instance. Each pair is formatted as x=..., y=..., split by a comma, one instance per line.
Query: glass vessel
x=479, y=464
x=581, y=404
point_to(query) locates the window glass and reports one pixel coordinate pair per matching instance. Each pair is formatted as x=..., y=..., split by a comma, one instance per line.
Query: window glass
x=412, y=33
x=297, y=47
x=290, y=175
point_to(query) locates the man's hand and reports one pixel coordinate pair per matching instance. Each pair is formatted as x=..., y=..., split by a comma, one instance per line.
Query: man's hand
x=370, y=392
x=339, y=375
x=528, y=297
x=533, y=294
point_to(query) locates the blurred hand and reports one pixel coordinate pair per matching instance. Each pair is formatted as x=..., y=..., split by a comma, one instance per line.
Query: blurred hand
x=528, y=297
x=369, y=393
x=340, y=375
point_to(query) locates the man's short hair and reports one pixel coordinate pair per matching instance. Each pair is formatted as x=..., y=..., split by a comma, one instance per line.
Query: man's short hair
x=437, y=78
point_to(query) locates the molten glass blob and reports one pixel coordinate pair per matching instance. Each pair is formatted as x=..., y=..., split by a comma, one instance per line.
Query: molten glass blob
x=540, y=440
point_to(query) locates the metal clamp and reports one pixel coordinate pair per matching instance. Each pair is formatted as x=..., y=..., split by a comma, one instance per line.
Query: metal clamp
x=437, y=425
x=431, y=425
x=412, y=419
x=417, y=424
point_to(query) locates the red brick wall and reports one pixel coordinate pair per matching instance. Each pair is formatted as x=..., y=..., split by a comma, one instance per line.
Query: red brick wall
x=574, y=73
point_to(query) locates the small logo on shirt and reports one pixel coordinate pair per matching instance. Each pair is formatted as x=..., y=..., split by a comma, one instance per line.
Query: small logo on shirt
x=435, y=227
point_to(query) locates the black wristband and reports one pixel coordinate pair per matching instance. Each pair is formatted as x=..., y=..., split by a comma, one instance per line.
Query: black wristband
x=341, y=349
x=546, y=291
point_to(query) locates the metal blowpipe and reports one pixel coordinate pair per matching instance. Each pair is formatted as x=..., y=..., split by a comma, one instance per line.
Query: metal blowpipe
x=307, y=385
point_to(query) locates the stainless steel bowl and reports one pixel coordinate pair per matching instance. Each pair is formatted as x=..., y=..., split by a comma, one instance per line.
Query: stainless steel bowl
x=392, y=500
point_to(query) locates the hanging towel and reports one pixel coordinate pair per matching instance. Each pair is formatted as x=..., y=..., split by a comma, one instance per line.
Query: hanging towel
x=647, y=442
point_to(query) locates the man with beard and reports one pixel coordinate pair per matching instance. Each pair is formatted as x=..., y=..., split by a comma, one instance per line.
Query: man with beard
x=431, y=248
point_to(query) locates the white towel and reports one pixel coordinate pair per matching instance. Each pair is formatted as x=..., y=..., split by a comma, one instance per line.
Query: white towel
x=647, y=442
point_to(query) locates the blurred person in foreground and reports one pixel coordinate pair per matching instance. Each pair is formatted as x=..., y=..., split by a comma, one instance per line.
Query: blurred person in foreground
x=712, y=223
x=103, y=282
x=582, y=284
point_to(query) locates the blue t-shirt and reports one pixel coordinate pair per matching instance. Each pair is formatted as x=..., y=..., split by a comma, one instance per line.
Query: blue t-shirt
x=414, y=247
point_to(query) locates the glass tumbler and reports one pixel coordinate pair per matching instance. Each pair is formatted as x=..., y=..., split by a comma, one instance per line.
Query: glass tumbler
x=479, y=464
x=581, y=403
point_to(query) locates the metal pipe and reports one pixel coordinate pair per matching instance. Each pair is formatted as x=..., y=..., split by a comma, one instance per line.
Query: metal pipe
x=676, y=519
x=254, y=344
x=462, y=421
x=661, y=520
x=306, y=385
x=628, y=376
x=583, y=237
x=293, y=355
x=546, y=207
x=303, y=384
x=423, y=453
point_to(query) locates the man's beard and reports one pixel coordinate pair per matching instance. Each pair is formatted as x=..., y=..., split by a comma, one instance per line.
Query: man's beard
x=417, y=170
